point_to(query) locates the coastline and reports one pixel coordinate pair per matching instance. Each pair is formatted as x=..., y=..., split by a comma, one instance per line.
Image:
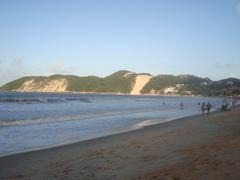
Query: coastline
x=114, y=94
x=100, y=137
x=194, y=147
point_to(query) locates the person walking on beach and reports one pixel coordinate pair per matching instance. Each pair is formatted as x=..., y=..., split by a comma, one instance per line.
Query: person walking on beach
x=209, y=106
x=203, y=107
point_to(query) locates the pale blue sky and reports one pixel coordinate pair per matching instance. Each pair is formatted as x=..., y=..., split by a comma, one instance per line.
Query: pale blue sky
x=42, y=37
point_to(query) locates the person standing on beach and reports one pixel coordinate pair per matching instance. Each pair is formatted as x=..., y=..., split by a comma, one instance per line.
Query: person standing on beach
x=209, y=106
x=181, y=106
x=233, y=102
x=203, y=107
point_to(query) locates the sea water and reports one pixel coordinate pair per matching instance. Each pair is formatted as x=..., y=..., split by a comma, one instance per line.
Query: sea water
x=30, y=121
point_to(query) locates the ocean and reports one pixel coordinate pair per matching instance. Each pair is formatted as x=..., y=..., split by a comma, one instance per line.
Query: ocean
x=31, y=121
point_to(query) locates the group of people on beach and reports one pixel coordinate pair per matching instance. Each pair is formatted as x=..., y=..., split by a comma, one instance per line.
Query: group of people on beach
x=206, y=107
x=228, y=104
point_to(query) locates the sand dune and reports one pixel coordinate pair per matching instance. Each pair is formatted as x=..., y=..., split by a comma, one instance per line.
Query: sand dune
x=59, y=85
x=141, y=81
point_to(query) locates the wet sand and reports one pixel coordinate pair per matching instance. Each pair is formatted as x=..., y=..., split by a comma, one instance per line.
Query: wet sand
x=197, y=147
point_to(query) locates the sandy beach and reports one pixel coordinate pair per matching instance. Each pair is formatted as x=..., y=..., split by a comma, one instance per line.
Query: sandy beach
x=197, y=147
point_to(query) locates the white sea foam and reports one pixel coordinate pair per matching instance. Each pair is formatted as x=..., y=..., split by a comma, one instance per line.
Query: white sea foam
x=146, y=123
x=151, y=122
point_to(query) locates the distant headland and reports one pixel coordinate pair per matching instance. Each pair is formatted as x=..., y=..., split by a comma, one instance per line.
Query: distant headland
x=127, y=82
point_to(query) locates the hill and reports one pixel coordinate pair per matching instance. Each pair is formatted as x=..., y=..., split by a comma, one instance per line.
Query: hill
x=127, y=82
x=191, y=85
x=118, y=82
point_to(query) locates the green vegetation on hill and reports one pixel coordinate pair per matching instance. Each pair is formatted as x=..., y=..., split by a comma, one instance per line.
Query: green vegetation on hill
x=115, y=83
x=123, y=81
x=15, y=84
x=197, y=86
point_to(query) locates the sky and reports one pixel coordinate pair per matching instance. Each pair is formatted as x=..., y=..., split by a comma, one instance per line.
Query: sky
x=99, y=37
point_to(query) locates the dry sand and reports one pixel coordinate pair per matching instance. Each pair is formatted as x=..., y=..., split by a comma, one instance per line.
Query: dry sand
x=198, y=147
x=58, y=85
x=140, y=82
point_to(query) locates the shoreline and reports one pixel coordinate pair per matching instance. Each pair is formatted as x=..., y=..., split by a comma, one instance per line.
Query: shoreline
x=194, y=147
x=96, y=138
x=114, y=94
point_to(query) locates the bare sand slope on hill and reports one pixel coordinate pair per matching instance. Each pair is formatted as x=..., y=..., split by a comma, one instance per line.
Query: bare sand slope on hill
x=141, y=81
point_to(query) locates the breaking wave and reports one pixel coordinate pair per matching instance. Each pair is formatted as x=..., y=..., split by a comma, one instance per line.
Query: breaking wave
x=5, y=123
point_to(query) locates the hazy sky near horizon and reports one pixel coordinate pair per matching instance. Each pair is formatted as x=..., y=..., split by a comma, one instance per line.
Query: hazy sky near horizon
x=99, y=37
